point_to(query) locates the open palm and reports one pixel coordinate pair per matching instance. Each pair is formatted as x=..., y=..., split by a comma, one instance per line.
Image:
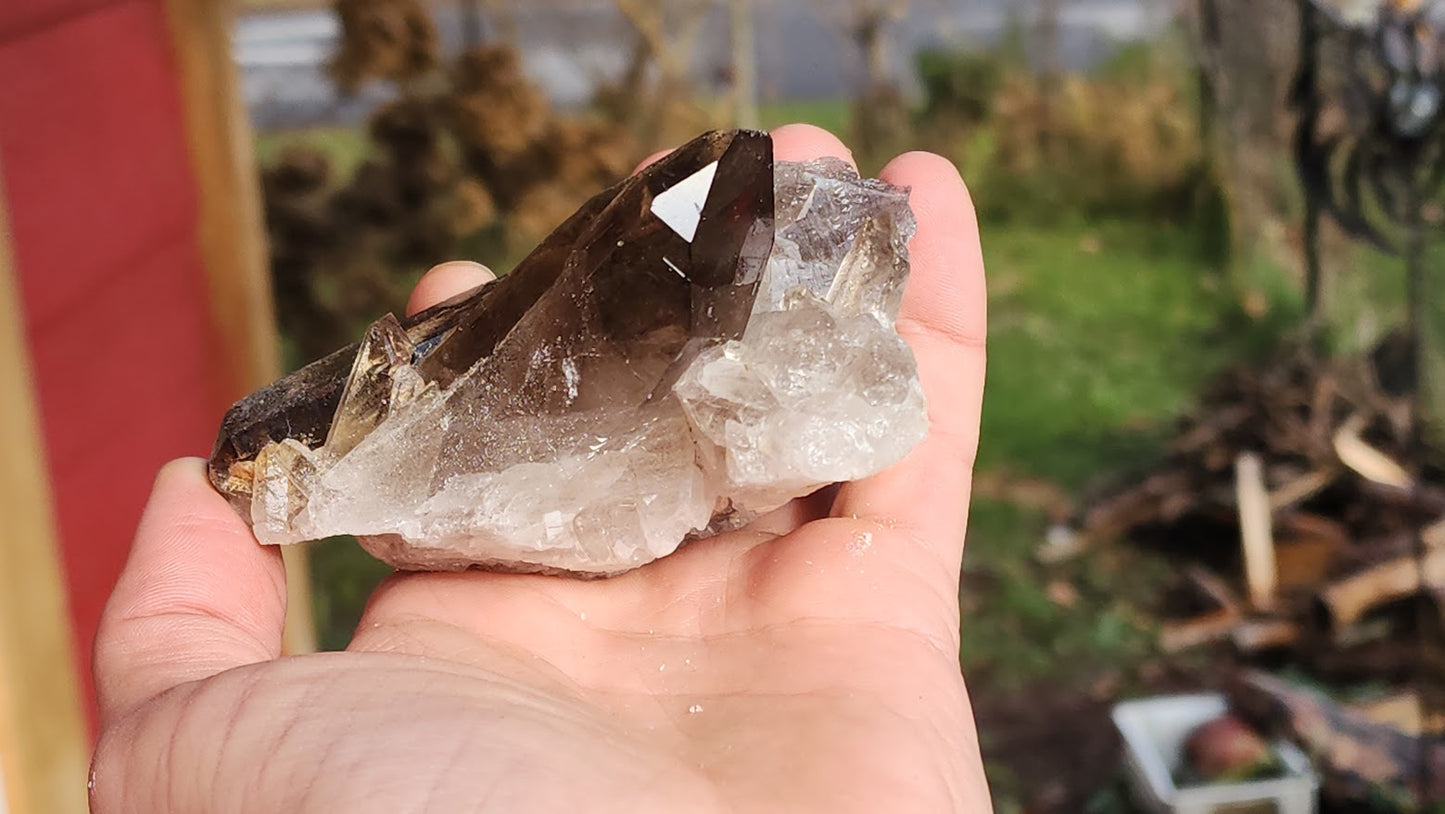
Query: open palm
x=807, y=663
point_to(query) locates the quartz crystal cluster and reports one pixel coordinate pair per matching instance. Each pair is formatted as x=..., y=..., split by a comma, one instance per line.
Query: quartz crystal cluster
x=695, y=346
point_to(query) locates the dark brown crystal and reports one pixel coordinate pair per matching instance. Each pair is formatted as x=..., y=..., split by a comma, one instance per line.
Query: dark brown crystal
x=612, y=274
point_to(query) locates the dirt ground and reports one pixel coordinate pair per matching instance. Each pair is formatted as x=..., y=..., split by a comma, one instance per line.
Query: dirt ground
x=1051, y=749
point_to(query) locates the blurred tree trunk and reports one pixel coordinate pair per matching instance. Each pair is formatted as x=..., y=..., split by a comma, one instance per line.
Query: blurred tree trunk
x=1248, y=55
x=744, y=66
x=471, y=14
x=504, y=17
x=666, y=32
x=869, y=24
x=1050, y=70
x=880, y=113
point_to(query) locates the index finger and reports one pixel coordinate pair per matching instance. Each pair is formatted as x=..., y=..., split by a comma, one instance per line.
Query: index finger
x=943, y=319
x=198, y=596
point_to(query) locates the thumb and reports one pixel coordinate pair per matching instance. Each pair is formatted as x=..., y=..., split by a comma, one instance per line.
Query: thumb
x=198, y=596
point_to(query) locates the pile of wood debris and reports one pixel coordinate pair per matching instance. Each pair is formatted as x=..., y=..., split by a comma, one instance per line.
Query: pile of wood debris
x=1309, y=526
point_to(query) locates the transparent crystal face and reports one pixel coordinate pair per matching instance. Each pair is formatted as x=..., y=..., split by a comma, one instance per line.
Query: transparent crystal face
x=709, y=342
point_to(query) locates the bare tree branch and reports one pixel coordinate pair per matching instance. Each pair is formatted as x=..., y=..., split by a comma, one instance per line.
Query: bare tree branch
x=668, y=29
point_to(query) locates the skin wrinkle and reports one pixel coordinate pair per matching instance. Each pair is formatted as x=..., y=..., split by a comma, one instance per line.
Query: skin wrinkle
x=697, y=597
x=412, y=645
x=281, y=742
x=406, y=639
x=229, y=708
x=929, y=583
x=949, y=557
x=889, y=523
x=167, y=766
x=683, y=602
x=183, y=616
x=328, y=756
x=795, y=625
x=182, y=601
x=151, y=643
x=483, y=802
x=805, y=693
x=846, y=707
x=912, y=327
x=735, y=558
x=434, y=793
x=546, y=712
x=772, y=631
x=228, y=731
x=294, y=769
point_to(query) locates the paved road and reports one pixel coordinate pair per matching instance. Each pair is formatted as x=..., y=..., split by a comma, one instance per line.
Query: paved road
x=569, y=50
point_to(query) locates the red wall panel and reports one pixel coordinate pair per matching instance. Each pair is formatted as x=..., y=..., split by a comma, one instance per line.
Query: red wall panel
x=98, y=185
x=22, y=18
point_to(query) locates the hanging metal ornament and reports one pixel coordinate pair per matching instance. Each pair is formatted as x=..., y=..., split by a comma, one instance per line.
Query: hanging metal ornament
x=1370, y=141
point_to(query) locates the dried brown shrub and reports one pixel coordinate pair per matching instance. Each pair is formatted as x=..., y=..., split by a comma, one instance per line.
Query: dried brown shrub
x=472, y=161
x=494, y=108
x=383, y=39
x=1102, y=143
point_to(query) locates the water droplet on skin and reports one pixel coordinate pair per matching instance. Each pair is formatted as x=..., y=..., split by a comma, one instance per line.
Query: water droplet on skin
x=860, y=543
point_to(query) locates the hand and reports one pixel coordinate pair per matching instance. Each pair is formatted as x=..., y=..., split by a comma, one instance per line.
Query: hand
x=808, y=663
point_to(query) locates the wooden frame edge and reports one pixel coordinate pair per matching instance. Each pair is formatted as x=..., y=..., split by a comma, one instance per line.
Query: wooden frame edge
x=44, y=751
x=231, y=234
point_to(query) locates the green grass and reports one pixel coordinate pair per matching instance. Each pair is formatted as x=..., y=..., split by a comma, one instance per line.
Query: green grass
x=1099, y=337
x=831, y=115
x=345, y=146
x=343, y=576
x=1016, y=635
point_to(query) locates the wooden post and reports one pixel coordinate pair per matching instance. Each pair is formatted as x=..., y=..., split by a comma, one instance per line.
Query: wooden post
x=232, y=235
x=1256, y=529
x=1352, y=597
x=43, y=745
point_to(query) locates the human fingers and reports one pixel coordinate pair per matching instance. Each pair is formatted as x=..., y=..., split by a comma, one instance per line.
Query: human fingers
x=943, y=320
x=447, y=280
x=804, y=142
x=649, y=161
x=791, y=142
x=197, y=596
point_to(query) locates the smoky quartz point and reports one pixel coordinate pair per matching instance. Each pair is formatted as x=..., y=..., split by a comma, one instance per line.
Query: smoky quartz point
x=695, y=346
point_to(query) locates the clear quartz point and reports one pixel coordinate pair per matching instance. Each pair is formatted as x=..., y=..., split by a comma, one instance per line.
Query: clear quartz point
x=696, y=346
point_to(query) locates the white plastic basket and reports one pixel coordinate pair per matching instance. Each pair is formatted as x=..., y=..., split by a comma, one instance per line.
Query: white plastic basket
x=1154, y=730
